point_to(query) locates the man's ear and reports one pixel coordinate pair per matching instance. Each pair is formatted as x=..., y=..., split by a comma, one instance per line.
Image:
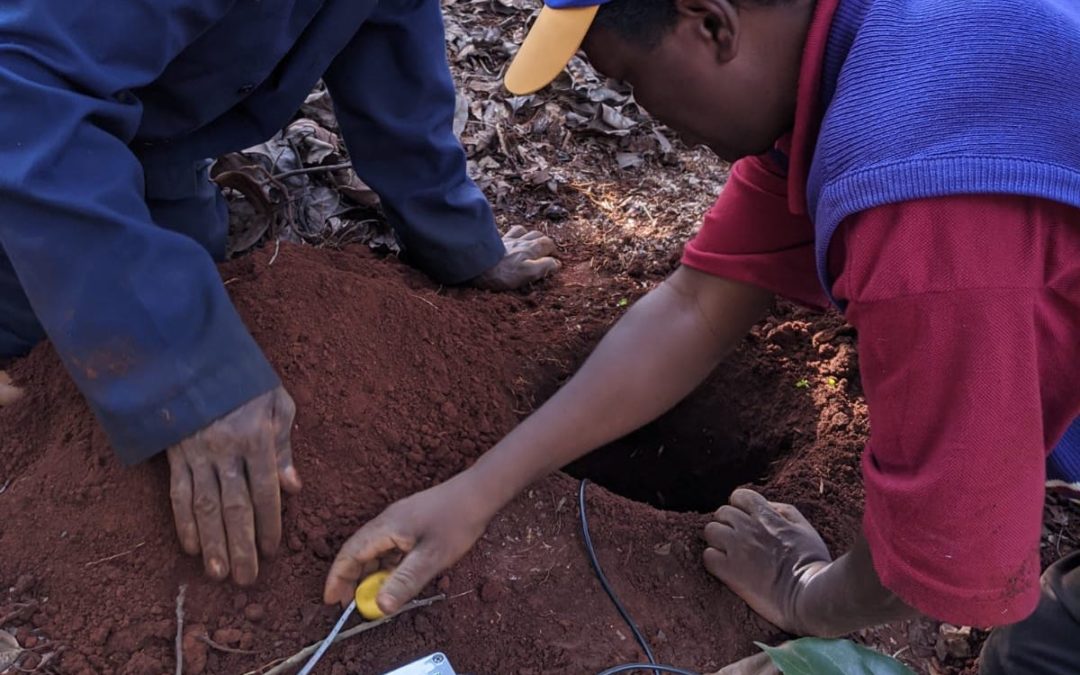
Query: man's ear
x=714, y=21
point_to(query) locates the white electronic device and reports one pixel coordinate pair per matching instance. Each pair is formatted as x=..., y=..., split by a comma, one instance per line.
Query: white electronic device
x=434, y=664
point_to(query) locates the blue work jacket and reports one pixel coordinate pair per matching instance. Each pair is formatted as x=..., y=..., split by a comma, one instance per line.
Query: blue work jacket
x=106, y=106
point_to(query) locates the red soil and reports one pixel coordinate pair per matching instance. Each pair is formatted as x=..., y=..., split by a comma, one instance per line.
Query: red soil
x=400, y=384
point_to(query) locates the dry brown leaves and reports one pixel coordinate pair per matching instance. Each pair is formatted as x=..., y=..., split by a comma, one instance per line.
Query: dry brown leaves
x=533, y=141
x=1060, y=536
x=299, y=186
x=581, y=149
x=10, y=650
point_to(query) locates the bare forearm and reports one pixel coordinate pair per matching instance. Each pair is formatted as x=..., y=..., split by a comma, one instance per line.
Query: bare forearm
x=846, y=596
x=664, y=347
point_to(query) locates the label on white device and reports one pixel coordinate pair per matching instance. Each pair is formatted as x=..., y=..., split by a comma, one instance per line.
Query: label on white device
x=435, y=664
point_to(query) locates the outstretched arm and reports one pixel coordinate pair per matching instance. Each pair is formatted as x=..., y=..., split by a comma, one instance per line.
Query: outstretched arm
x=654, y=356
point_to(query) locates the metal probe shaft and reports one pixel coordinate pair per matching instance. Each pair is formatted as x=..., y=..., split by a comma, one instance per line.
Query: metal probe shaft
x=329, y=640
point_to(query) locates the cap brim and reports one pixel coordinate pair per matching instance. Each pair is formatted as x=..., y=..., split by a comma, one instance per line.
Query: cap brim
x=549, y=46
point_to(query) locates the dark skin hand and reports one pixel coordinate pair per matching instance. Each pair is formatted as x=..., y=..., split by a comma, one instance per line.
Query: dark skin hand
x=772, y=557
x=226, y=482
x=433, y=528
x=528, y=259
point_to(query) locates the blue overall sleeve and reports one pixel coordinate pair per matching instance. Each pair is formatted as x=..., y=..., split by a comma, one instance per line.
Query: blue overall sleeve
x=138, y=314
x=394, y=97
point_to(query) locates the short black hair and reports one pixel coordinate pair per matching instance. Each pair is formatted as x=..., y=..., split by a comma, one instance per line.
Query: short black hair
x=644, y=22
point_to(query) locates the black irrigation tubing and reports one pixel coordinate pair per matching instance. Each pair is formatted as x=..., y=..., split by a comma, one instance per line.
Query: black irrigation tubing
x=651, y=665
x=646, y=666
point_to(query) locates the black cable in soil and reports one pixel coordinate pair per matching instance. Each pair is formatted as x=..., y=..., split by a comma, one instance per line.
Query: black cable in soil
x=651, y=665
x=627, y=667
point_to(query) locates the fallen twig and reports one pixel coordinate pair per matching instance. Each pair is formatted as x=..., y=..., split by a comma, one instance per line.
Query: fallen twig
x=180, y=630
x=298, y=658
x=311, y=169
x=21, y=611
x=423, y=299
x=116, y=555
x=261, y=670
x=222, y=648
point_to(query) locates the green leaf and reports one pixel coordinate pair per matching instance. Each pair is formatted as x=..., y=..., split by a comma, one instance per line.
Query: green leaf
x=624, y=302
x=802, y=384
x=814, y=656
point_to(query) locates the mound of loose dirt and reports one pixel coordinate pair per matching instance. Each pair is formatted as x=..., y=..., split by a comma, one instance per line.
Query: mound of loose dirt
x=400, y=384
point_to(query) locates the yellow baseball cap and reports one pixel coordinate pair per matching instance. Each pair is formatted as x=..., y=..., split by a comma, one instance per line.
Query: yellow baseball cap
x=551, y=43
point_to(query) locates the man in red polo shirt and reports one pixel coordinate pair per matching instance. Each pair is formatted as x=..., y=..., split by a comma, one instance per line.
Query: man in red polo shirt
x=967, y=304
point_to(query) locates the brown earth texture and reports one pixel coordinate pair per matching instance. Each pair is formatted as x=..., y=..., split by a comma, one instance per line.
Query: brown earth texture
x=400, y=383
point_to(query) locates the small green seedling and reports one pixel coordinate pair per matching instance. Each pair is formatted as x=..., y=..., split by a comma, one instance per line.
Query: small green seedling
x=624, y=302
x=814, y=656
x=803, y=384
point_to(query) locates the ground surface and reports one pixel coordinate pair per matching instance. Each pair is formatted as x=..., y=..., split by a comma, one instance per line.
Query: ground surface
x=401, y=383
